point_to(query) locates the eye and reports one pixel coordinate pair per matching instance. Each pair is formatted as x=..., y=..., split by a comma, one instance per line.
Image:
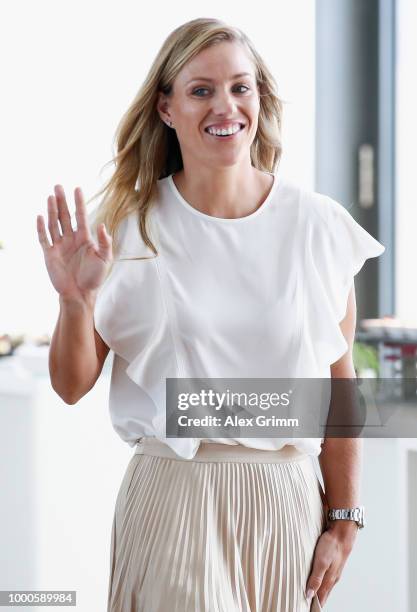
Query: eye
x=199, y=89
x=206, y=89
x=246, y=88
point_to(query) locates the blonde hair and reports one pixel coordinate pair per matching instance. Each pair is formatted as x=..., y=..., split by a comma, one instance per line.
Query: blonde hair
x=148, y=150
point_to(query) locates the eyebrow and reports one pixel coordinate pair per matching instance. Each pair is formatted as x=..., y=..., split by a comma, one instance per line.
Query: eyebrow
x=235, y=76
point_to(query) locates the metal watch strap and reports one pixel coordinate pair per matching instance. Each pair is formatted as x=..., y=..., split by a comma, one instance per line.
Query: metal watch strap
x=352, y=514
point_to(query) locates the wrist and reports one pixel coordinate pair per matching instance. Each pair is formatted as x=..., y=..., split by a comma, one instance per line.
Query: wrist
x=75, y=301
x=356, y=514
x=344, y=530
x=342, y=526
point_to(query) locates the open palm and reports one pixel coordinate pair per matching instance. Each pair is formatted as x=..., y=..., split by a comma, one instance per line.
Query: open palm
x=76, y=264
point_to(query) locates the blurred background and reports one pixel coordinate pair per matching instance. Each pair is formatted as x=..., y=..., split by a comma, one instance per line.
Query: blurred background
x=345, y=69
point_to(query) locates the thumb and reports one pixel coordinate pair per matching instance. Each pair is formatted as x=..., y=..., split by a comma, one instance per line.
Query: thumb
x=104, y=242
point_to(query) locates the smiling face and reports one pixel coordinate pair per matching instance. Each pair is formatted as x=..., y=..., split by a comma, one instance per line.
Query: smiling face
x=213, y=96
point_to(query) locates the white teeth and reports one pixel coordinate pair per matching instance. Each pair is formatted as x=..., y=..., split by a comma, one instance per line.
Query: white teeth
x=232, y=129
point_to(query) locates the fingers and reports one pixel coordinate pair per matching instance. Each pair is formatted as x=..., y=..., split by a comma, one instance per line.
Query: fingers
x=81, y=213
x=59, y=217
x=63, y=213
x=316, y=577
x=43, y=238
x=53, y=219
x=104, y=243
x=326, y=586
x=321, y=583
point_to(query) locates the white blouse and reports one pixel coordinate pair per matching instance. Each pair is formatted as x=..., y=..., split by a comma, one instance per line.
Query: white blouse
x=259, y=296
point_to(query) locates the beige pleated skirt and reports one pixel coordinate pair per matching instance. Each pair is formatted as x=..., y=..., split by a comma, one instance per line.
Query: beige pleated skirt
x=232, y=530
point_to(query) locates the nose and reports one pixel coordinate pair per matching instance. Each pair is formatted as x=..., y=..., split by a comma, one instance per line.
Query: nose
x=224, y=103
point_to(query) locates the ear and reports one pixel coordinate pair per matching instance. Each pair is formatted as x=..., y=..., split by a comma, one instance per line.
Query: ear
x=162, y=106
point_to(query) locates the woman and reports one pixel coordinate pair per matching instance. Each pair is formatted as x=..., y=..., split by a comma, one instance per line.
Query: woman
x=214, y=267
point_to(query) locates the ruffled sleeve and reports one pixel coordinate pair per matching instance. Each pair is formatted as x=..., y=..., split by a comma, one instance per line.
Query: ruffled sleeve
x=130, y=315
x=336, y=248
x=131, y=287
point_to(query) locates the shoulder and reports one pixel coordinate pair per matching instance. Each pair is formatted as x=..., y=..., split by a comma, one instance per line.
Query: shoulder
x=320, y=207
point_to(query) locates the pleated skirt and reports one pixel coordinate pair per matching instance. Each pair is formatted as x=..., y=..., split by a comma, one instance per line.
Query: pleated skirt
x=232, y=530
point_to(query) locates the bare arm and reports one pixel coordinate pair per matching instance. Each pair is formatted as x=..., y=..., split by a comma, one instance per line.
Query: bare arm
x=341, y=458
x=77, y=353
x=340, y=462
x=77, y=266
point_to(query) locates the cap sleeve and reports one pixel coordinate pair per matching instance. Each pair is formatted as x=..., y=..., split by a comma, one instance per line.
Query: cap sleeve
x=336, y=249
x=128, y=311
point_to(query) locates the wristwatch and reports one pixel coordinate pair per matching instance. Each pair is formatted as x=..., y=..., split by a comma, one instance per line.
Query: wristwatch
x=348, y=514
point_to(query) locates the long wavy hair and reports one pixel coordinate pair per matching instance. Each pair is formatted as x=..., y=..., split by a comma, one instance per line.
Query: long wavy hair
x=148, y=150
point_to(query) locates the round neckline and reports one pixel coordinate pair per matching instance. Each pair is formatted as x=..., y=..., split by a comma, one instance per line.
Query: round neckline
x=203, y=215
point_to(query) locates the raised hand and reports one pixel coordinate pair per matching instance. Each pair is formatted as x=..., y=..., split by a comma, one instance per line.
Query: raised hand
x=76, y=265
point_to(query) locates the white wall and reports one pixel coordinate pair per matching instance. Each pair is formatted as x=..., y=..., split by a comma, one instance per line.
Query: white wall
x=60, y=470
x=70, y=72
x=376, y=574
